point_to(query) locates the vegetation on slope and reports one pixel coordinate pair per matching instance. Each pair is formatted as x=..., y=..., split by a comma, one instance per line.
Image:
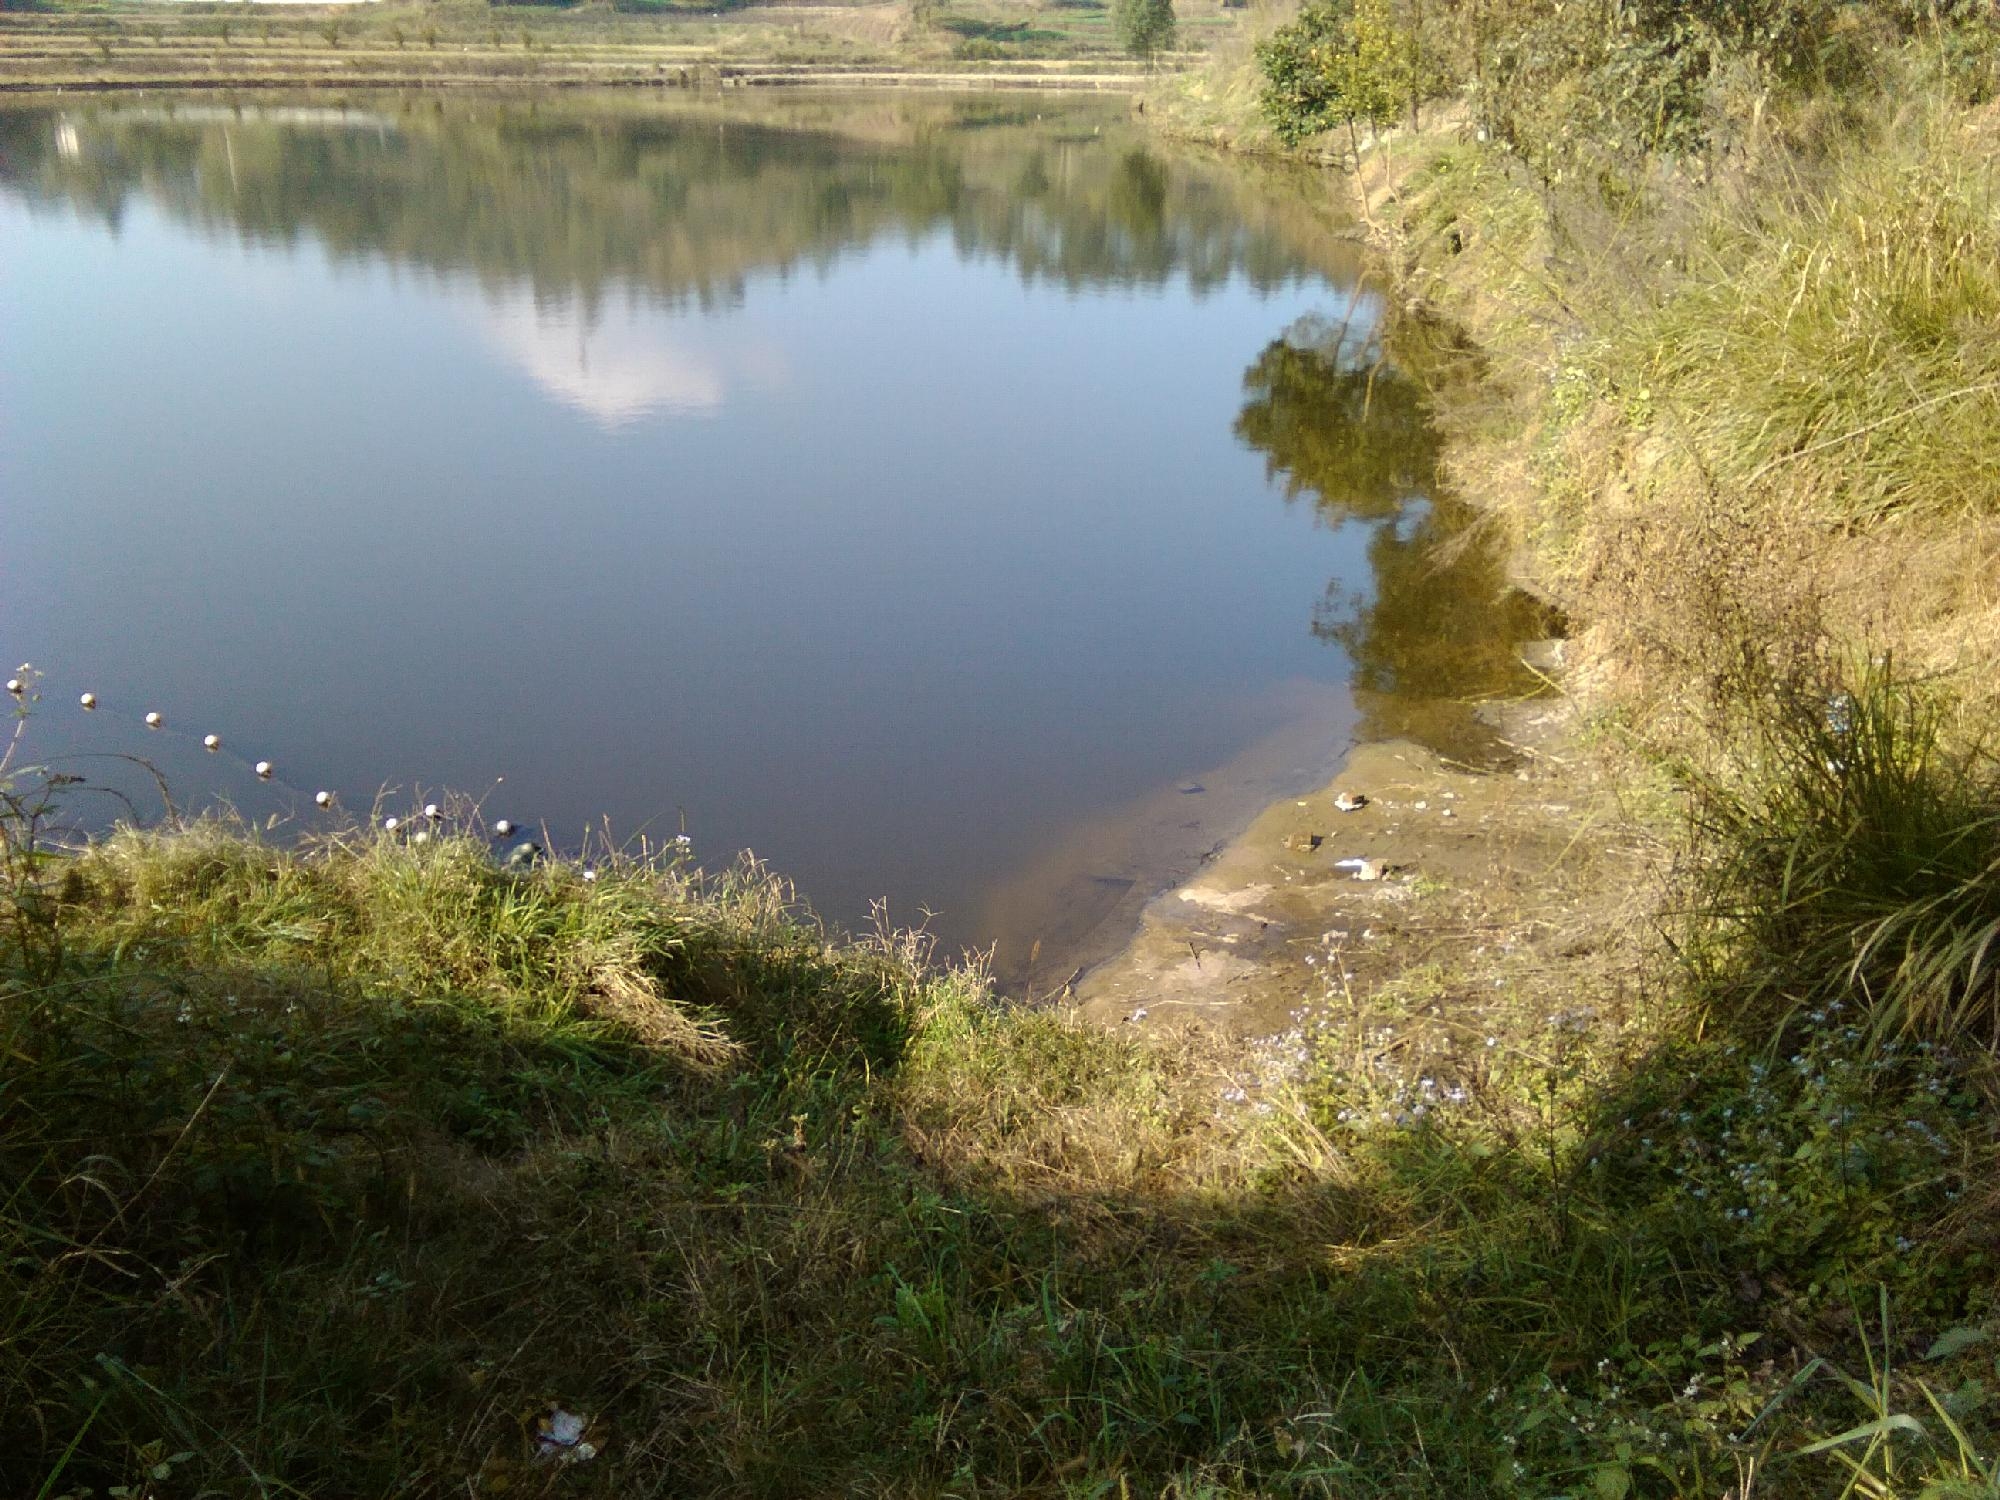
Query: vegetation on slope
x=1730, y=277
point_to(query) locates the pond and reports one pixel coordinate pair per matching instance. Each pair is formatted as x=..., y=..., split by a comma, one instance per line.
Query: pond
x=973, y=506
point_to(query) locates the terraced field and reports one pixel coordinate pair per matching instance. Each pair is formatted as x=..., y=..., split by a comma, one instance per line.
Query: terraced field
x=403, y=45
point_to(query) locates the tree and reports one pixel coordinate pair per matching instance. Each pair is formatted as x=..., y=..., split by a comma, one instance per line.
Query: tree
x=1338, y=62
x=1145, y=27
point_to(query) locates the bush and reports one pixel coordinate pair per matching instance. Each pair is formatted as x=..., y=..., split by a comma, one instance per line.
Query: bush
x=1855, y=863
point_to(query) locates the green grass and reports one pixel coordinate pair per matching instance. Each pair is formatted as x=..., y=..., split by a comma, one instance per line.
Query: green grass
x=330, y=1168
x=1840, y=339
x=1855, y=859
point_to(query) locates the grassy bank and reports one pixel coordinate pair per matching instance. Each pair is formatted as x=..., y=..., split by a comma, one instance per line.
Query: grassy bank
x=351, y=1168
x=1706, y=302
x=1732, y=389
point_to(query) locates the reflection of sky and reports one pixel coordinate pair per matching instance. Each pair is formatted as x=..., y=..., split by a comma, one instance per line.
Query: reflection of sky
x=620, y=362
x=949, y=562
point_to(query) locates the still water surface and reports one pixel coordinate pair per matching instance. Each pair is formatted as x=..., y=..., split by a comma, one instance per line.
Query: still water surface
x=927, y=494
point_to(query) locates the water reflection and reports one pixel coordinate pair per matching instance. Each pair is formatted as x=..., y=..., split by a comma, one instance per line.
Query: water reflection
x=1437, y=624
x=681, y=199
x=856, y=475
x=619, y=370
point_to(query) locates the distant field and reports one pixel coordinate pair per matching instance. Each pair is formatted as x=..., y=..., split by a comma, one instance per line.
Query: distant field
x=93, y=44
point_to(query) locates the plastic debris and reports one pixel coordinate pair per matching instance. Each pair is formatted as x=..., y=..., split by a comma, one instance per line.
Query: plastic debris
x=88, y=700
x=154, y=719
x=211, y=742
x=503, y=828
x=323, y=799
x=264, y=770
x=390, y=825
x=559, y=1436
x=433, y=811
x=1364, y=869
x=1350, y=801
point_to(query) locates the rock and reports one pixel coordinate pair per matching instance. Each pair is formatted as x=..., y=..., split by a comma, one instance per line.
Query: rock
x=1190, y=788
x=1545, y=657
x=1305, y=843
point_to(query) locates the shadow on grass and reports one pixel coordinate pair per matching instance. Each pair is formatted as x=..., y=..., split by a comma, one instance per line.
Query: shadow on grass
x=331, y=1237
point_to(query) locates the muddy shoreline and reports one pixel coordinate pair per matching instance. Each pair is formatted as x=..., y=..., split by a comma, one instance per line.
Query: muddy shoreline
x=1474, y=876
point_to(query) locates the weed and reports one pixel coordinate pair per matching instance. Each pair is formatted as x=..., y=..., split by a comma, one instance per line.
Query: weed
x=1854, y=860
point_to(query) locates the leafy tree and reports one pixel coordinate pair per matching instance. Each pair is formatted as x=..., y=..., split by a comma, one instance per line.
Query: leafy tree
x=1301, y=94
x=1338, y=62
x=1144, y=27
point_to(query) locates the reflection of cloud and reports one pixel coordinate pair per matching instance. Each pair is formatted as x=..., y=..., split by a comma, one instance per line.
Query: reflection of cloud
x=621, y=366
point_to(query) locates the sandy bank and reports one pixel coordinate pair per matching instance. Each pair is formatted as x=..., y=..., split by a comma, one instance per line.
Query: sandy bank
x=1530, y=871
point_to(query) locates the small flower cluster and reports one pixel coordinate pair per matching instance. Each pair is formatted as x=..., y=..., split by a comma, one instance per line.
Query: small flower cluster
x=1833, y=1148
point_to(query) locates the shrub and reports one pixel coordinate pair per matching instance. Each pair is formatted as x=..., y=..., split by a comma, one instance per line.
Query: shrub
x=1856, y=862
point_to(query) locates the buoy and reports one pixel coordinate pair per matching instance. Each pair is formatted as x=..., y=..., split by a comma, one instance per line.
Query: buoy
x=16, y=686
x=503, y=828
x=432, y=811
x=153, y=720
x=264, y=769
x=88, y=700
x=324, y=799
x=211, y=742
x=390, y=825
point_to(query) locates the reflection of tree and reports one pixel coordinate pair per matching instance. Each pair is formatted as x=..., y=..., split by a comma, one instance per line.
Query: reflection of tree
x=678, y=199
x=1439, y=624
x=1330, y=415
x=1441, y=620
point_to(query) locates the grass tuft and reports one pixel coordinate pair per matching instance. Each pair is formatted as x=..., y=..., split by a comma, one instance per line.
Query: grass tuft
x=1856, y=860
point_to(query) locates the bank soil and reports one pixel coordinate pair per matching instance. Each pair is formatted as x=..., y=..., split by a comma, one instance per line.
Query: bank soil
x=1499, y=895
